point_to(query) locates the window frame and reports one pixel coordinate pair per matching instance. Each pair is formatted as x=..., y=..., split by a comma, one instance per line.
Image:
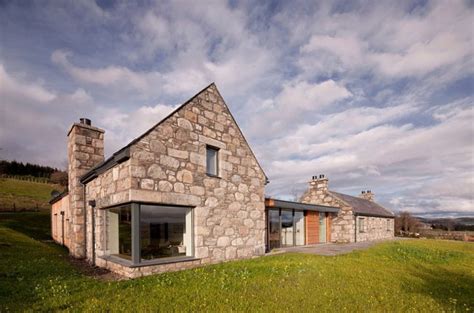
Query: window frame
x=136, y=260
x=360, y=221
x=216, y=150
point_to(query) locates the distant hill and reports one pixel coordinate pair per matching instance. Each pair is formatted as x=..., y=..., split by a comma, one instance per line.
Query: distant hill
x=21, y=195
x=459, y=223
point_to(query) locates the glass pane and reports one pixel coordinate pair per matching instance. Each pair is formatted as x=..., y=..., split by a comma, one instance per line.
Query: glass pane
x=211, y=161
x=274, y=229
x=164, y=232
x=286, y=228
x=299, y=228
x=119, y=232
x=322, y=227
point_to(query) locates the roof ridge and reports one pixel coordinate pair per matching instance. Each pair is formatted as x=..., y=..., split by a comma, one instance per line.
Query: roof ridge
x=370, y=203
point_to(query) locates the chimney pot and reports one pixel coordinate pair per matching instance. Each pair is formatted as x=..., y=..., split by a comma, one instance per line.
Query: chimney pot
x=363, y=191
x=85, y=121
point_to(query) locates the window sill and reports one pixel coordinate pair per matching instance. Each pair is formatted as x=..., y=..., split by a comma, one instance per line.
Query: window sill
x=128, y=263
x=214, y=176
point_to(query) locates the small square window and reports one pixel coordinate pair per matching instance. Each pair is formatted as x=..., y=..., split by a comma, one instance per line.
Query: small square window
x=212, y=160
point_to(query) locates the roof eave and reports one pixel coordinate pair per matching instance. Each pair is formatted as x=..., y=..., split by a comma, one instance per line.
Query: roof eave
x=117, y=158
x=373, y=215
x=283, y=204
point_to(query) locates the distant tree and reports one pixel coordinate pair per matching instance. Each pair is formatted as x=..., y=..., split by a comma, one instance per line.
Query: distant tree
x=28, y=169
x=295, y=194
x=450, y=224
x=59, y=177
x=404, y=221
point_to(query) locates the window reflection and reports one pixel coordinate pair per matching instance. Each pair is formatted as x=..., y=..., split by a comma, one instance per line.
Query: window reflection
x=119, y=237
x=164, y=232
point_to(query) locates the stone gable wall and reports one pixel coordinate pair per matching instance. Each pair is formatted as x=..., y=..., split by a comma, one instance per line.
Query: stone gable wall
x=168, y=166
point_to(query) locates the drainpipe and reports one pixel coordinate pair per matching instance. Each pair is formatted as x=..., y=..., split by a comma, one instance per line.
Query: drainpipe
x=62, y=228
x=355, y=227
x=85, y=218
x=92, y=204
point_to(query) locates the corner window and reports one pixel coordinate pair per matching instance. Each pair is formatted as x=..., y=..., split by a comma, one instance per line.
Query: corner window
x=361, y=225
x=142, y=233
x=212, y=160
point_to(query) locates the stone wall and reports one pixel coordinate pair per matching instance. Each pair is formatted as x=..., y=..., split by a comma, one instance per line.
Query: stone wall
x=376, y=228
x=85, y=150
x=57, y=219
x=168, y=166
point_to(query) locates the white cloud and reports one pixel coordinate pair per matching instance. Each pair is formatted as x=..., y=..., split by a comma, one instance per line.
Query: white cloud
x=306, y=96
x=110, y=75
x=423, y=57
x=9, y=85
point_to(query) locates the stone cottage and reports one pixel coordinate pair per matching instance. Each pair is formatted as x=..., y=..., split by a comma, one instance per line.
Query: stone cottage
x=187, y=192
x=359, y=218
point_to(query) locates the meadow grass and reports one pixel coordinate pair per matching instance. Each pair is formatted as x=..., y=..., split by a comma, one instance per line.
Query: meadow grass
x=23, y=194
x=399, y=276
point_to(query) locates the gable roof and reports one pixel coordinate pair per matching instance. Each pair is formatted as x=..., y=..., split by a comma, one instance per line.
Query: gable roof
x=123, y=154
x=363, y=206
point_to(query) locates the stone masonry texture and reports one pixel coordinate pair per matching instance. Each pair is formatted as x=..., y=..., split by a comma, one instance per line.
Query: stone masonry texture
x=85, y=150
x=168, y=166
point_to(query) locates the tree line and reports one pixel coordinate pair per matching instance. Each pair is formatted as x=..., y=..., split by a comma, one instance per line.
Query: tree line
x=405, y=223
x=15, y=168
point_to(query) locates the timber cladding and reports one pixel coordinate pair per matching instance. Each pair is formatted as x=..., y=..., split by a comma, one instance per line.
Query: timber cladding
x=312, y=227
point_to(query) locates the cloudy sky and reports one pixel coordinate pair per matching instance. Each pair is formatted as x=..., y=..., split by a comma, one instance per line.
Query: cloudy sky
x=375, y=95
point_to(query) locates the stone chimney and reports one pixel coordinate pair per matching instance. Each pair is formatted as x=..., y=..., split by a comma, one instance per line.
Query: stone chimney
x=367, y=195
x=85, y=150
x=319, y=184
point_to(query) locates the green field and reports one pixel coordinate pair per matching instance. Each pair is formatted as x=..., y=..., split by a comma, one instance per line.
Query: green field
x=402, y=276
x=25, y=195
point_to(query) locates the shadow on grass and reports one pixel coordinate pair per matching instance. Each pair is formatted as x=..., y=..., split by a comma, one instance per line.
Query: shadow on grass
x=450, y=288
x=36, y=225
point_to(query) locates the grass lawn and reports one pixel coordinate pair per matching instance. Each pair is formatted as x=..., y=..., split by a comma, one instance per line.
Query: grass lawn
x=402, y=276
x=25, y=194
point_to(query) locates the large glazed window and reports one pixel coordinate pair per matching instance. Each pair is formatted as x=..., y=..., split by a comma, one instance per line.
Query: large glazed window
x=119, y=235
x=164, y=232
x=143, y=233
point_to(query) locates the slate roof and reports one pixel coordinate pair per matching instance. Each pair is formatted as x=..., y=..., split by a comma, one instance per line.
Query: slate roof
x=363, y=207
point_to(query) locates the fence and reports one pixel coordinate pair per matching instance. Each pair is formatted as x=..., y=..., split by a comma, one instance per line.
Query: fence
x=27, y=178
